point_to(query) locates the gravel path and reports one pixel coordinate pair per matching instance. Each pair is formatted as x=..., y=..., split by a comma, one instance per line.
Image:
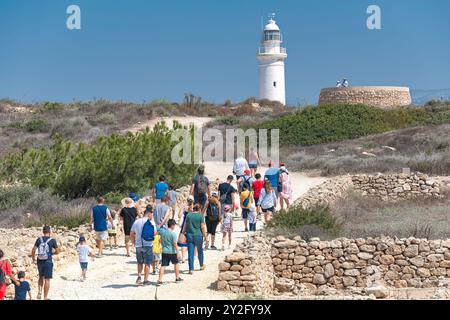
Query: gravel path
x=113, y=276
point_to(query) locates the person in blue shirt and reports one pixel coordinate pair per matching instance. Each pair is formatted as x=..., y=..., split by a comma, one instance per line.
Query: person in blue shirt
x=99, y=218
x=273, y=175
x=22, y=287
x=160, y=190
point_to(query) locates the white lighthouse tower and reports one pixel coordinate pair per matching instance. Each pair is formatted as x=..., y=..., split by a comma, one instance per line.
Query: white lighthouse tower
x=271, y=56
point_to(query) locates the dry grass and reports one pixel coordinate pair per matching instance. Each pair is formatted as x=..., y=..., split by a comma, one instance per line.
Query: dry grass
x=360, y=216
x=424, y=149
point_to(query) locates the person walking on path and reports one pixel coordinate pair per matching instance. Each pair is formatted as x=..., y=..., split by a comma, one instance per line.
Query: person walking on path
x=227, y=226
x=239, y=167
x=286, y=188
x=84, y=252
x=46, y=247
x=21, y=287
x=112, y=232
x=182, y=241
x=161, y=213
x=5, y=271
x=227, y=194
x=258, y=184
x=200, y=187
x=143, y=233
x=253, y=161
x=128, y=215
x=170, y=252
x=267, y=201
x=213, y=210
x=246, y=198
x=100, y=215
x=252, y=216
x=173, y=195
x=273, y=175
x=160, y=190
x=195, y=232
x=247, y=180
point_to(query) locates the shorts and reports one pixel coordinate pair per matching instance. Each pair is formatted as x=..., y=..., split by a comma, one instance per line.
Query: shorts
x=271, y=209
x=83, y=265
x=144, y=255
x=101, y=235
x=238, y=177
x=2, y=291
x=112, y=233
x=168, y=258
x=45, y=269
x=253, y=165
x=226, y=228
x=200, y=198
x=211, y=226
x=157, y=256
x=245, y=213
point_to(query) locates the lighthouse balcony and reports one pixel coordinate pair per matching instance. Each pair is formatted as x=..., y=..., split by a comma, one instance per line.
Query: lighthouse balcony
x=274, y=50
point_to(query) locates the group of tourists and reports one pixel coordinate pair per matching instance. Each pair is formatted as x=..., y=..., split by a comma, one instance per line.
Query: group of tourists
x=159, y=233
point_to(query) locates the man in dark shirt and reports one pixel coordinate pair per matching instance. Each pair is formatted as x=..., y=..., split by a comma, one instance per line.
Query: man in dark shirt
x=200, y=187
x=46, y=246
x=226, y=193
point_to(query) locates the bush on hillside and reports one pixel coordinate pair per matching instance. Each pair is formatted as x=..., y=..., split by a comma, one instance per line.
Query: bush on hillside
x=118, y=163
x=327, y=123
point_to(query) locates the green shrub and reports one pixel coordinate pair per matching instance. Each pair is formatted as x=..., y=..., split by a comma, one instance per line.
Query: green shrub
x=48, y=106
x=15, y=195
x=36, y=125
x=306, y=222
x=69, y=220
x=328, y=123
x=118, y=163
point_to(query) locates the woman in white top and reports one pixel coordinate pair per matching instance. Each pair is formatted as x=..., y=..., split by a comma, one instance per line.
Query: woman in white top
x=267, y=201
x=286, y=190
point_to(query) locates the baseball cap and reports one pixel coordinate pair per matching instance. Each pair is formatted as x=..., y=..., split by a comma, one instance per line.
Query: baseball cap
x=82, y=238
x=191, y=198
x=227, y=207
x=247, y=171
x=214, y=194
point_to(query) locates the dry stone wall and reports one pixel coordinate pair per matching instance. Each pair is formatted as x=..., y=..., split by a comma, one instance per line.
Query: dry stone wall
x=342, y=264
x=382, y=97
x=396, y=186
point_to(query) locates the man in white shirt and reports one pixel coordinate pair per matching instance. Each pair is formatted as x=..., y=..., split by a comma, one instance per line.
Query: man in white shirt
x=239, y=168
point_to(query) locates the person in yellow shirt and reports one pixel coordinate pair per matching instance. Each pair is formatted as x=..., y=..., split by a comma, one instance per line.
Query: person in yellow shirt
x=157, y=250
x=246, y=198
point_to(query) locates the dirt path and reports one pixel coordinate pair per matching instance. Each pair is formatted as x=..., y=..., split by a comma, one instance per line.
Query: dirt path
x=113, y=276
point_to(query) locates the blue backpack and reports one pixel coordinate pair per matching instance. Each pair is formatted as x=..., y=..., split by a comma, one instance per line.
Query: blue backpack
x=148, y=231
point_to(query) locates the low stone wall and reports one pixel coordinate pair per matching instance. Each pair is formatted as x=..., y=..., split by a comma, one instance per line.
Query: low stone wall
x=326, y=193
x=17, y=245
x=382, y=97
x=343, y=264
x=396, y=186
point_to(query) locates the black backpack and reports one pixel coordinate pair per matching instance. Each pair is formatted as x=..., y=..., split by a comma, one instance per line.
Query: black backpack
x=247, y=183
x=2, y=275
x=213, y=210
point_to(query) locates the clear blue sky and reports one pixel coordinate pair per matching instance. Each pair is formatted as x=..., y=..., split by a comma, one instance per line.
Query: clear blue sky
x=139, y=50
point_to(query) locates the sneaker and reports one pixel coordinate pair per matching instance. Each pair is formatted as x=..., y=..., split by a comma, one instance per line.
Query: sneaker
x=39, y=296
x=159, y=283
x=178, y=280
x=213, y=248
x=146, y=283
x=154, y=273
x=246, y=230
x=139, y=281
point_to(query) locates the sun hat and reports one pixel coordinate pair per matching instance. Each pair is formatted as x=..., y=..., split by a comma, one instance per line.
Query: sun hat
x=127, y=203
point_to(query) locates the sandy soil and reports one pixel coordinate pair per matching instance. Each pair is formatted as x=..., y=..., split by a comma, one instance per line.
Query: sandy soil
x=114, y=275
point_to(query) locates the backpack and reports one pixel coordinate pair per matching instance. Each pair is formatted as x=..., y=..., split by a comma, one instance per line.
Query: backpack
x=148, y=231
x=2, y=275
x=223, y=197
x=213, y=210
x=247, y=183
x=202, y=184
x=44, y=249
x=246, y=201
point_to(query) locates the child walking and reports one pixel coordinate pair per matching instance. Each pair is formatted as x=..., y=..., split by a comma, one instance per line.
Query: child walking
x=112, y=232
x=22, y=287
x=173, y=194
x=170, y=252
x=227, y=226
x=84, y=252
x=157, y=250
x=252, y=217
